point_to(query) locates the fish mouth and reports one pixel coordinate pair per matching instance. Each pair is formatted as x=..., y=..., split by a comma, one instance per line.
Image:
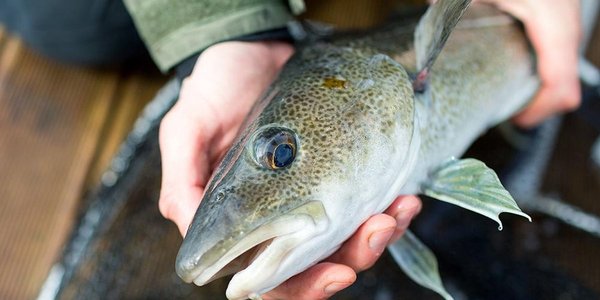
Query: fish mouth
x=262, y=249
x=248, y=249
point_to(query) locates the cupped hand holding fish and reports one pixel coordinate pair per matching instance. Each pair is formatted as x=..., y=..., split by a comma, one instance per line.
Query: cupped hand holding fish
x=227, y=80
x=213, y=102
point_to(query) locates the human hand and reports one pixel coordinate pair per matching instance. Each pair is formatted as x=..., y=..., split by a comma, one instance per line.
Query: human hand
x=357, y=254
x=227, y=79
x=553, y=27
x=214, y=100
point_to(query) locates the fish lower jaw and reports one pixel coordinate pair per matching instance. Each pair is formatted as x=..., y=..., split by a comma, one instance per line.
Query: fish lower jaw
x=263, y=273
x=244, y=259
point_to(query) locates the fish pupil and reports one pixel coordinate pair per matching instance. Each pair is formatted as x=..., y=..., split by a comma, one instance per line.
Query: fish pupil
x=274, y=147
x=283, y=156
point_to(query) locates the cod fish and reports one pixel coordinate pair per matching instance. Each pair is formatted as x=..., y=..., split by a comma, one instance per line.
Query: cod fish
x=351, y=122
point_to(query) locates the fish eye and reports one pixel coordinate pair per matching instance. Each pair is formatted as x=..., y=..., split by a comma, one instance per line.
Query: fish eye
x=275, y=148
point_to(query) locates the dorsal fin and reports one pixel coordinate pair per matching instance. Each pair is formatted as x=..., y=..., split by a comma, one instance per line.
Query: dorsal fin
x=432, y=32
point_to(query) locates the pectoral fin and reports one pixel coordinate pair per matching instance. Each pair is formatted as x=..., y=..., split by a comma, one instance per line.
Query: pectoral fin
x=432, y=32
x=418, y=262
x=470, y=184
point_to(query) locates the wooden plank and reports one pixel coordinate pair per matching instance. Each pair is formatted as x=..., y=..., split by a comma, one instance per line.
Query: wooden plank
x=50, y=118
x=54, y=124
x=2, y=37
x=349, y=14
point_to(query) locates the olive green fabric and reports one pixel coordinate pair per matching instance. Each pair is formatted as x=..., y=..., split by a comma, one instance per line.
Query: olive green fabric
x=176, y=29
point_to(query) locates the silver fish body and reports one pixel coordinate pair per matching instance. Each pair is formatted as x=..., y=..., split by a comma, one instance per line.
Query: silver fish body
x=337, y=137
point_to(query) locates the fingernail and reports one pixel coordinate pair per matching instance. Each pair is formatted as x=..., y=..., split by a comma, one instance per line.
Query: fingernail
x=335, y=287
x=379, y=239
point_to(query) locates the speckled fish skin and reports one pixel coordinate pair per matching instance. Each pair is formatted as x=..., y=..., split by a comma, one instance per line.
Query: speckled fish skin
x=482, y=77
x=364, y=137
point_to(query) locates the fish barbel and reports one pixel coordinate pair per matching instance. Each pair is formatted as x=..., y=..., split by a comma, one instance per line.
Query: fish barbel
x=351, y=122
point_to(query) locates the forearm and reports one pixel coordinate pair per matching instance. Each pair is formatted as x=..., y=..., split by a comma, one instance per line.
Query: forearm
x=174, y=30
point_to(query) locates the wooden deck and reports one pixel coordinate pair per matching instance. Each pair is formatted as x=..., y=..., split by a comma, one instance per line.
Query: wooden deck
x=59, y=126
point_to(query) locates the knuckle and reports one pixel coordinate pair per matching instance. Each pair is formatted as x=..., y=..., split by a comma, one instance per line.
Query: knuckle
x=166, y=124
x=570, y=103
x=366, y=265
x=164, y=131
x=167, y=203
x=397, y=235
x=418, y=205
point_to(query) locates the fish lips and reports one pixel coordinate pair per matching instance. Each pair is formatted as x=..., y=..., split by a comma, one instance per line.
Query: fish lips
x=262, y=248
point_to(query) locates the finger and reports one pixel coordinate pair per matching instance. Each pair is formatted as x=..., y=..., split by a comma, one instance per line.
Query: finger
x=281, y=52
x=358, y=253
x=363, y=249
x=557, y=67
x=403, y=209
x=556, y=46
x=552, y=98
x=185, y=166
x=318, y=282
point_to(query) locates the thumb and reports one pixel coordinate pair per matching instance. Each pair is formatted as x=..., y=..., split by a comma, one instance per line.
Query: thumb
x=185, y=166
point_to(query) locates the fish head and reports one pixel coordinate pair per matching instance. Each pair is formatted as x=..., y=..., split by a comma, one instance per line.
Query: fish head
x=305, y=171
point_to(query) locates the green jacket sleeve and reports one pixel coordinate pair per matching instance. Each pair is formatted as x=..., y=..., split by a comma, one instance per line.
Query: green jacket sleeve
x=176, y=29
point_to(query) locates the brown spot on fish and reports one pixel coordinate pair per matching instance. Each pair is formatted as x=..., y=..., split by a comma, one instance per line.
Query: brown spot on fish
x=334, y=83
